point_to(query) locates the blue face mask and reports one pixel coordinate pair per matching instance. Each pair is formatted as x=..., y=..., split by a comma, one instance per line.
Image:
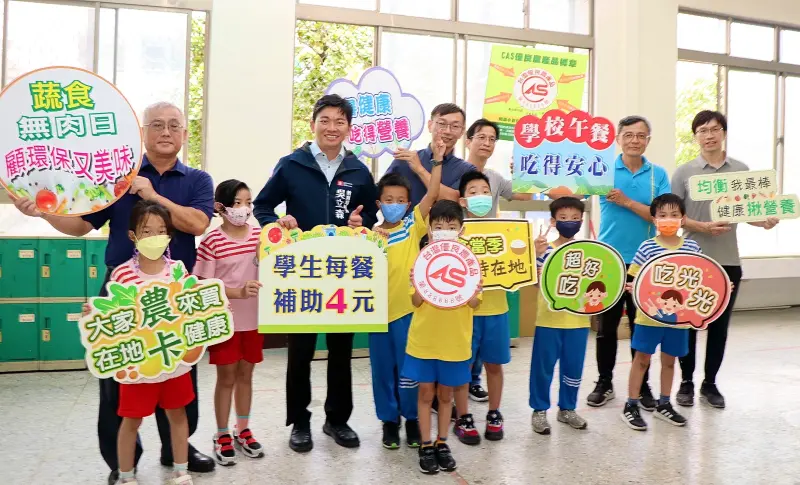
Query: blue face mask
x=568, y=228
x=392, y=213
x=480, y=205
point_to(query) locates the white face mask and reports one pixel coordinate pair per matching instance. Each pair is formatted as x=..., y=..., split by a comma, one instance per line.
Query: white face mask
x=237, y=216
x=444, y=235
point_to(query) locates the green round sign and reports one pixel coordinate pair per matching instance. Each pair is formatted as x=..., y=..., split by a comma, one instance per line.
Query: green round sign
x=583, y=277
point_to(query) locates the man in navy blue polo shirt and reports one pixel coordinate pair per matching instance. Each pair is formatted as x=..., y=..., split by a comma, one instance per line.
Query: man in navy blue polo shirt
x=447, y=121
x=625, y=223
x=188, y=194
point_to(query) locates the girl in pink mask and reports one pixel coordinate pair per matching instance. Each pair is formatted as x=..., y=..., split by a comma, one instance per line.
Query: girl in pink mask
x=230, y=253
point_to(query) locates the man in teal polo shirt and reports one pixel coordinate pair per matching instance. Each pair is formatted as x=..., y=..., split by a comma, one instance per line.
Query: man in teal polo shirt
x=625, y=223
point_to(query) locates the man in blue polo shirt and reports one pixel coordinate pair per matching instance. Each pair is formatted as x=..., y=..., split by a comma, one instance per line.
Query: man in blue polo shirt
x=447, y=121
x=188, y=194
x=625, y=223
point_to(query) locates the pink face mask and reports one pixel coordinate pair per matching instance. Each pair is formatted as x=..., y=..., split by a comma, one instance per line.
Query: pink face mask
x=237, y=216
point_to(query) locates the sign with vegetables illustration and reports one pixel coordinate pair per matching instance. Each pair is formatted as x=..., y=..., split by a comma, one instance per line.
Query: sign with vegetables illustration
x=69, y=140
x=144, y=331
x=564, y=154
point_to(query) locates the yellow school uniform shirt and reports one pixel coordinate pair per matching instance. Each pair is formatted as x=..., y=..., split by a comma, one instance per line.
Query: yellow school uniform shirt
x=440, y=334
x=402, y=251
x=548, y=318
x=494, y=302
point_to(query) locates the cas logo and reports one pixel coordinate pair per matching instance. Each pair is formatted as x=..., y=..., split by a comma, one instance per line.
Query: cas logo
x=535, y=89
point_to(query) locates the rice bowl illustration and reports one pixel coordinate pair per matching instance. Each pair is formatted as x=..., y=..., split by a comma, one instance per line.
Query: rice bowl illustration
x=518, y=246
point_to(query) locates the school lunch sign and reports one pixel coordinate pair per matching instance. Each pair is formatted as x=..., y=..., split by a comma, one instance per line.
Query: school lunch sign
x=531, y=81
x=144, y=331
x=504, y=250
x=384, y=117
x=743, y=196
x=329, y=280
x=69, y=140
x=564, y=154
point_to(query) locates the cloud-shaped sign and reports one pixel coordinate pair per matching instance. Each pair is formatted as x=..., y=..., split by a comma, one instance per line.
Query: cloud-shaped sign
x=384, y=117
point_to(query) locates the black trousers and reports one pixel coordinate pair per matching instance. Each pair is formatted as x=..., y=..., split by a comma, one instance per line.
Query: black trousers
x=606, y=343
x=339, y=402
x=716, y=337
x=108, y=421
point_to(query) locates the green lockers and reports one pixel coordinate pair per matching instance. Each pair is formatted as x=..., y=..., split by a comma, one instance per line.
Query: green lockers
x=513, y=313
x=19, y=268
x=19, y=332
x=63, y=268
x=59, y=336
x=361, y=341
x=95, y=265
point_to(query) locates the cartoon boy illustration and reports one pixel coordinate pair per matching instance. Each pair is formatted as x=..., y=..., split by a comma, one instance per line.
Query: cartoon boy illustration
x=594, y=296
x=671, y=302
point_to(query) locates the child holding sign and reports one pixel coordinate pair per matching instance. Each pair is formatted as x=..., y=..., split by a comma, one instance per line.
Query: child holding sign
x=438, y=350
x=559, y=336
x=669, y=214
x=150, y=229
x=388, y=350
x=491, y=335
x=230, y=253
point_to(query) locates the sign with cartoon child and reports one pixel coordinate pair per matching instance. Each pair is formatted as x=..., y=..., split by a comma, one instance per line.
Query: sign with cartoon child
x=69, y=140
x=503, y=248
x=682, y=289
x=144, y=331
x=583, y=278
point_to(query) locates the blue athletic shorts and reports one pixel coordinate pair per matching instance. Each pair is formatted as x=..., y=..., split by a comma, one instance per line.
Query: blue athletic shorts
x=451, y=374
x=491, y=339
x=673, y=341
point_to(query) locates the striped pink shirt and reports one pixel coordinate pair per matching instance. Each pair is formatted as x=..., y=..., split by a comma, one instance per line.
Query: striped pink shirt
x=234, y=261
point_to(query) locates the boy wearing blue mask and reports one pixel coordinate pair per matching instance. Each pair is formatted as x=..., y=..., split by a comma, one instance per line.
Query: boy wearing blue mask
x=387, y=350
x=491, y=337
x=559, y=336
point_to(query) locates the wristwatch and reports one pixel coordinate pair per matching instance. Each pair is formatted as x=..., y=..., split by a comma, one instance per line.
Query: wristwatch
x=435, y=163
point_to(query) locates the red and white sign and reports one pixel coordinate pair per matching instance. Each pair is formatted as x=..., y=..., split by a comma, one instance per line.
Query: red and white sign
x=446, y=274
x=556, y=126
x=535, y=89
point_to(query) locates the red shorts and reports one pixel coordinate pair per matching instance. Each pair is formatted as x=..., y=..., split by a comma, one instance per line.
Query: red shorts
x=140, y=400
x=247, y=345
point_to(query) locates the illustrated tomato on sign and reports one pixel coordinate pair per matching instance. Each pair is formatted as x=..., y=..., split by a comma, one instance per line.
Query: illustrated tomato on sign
x=275, y=235
x=46, y=200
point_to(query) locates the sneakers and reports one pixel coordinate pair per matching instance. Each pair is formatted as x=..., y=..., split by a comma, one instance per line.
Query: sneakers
x=646, y=400
x=184, y=479
x=494, y=426
x=710, y=395
x=247, y=443
x=413, y=439
x=478, y=394
x=665, y=412
x=539, y=422
x=445, y=459
x=685, y=395
x=465, y=430
x=391, y=435
x=570, y=417
x=223, y=450
x=603, y=392
x=633, y=417
x=427, y=460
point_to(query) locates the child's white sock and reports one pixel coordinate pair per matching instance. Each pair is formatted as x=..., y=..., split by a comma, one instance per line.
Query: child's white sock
x=180, y=468
x=125, y=475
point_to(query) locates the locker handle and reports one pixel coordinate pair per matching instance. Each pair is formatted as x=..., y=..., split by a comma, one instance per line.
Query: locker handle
x=94, y=260
x=46, y=266
x=46, y=322
x=46, y=258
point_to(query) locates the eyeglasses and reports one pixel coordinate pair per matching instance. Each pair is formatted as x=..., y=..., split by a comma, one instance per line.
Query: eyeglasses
x=483, y=138
x=444, y=126
x=158, y=126
x=705, y=131
x=639, y=136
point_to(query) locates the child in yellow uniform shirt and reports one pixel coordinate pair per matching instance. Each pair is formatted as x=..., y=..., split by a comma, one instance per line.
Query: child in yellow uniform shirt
x=559, y=336
x=396, y=395
x=439, y=350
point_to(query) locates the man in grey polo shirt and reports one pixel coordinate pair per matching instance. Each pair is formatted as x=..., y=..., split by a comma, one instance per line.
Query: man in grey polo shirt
x=717, y=240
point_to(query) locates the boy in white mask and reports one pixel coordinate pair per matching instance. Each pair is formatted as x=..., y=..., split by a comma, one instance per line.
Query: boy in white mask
x=230, y=253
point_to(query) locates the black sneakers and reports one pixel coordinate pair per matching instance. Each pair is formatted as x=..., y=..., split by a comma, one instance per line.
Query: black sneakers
x=710, y=395
x=494, y=426
x=685, y=395
x=633, y=417
x=223, y=450
x=665, y=412
x=478, y=394
x=465, y=430
x=391, y=435
x=603, y=392
x=413, y=439
x=444, y=457
x=427, y=460
x=646, y=400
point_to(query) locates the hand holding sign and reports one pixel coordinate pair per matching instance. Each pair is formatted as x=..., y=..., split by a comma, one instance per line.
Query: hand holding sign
x=142, y=187
x=250, y=289
x=541, y=243
x=288, y=222
x=717, y=228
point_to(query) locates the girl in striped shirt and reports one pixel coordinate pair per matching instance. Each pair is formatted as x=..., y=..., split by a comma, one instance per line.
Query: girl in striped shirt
x=230, y=253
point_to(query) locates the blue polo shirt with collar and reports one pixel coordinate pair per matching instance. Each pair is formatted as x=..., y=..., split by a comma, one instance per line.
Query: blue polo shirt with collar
x=182, y=185
x=452, y=170
x=622, y=228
